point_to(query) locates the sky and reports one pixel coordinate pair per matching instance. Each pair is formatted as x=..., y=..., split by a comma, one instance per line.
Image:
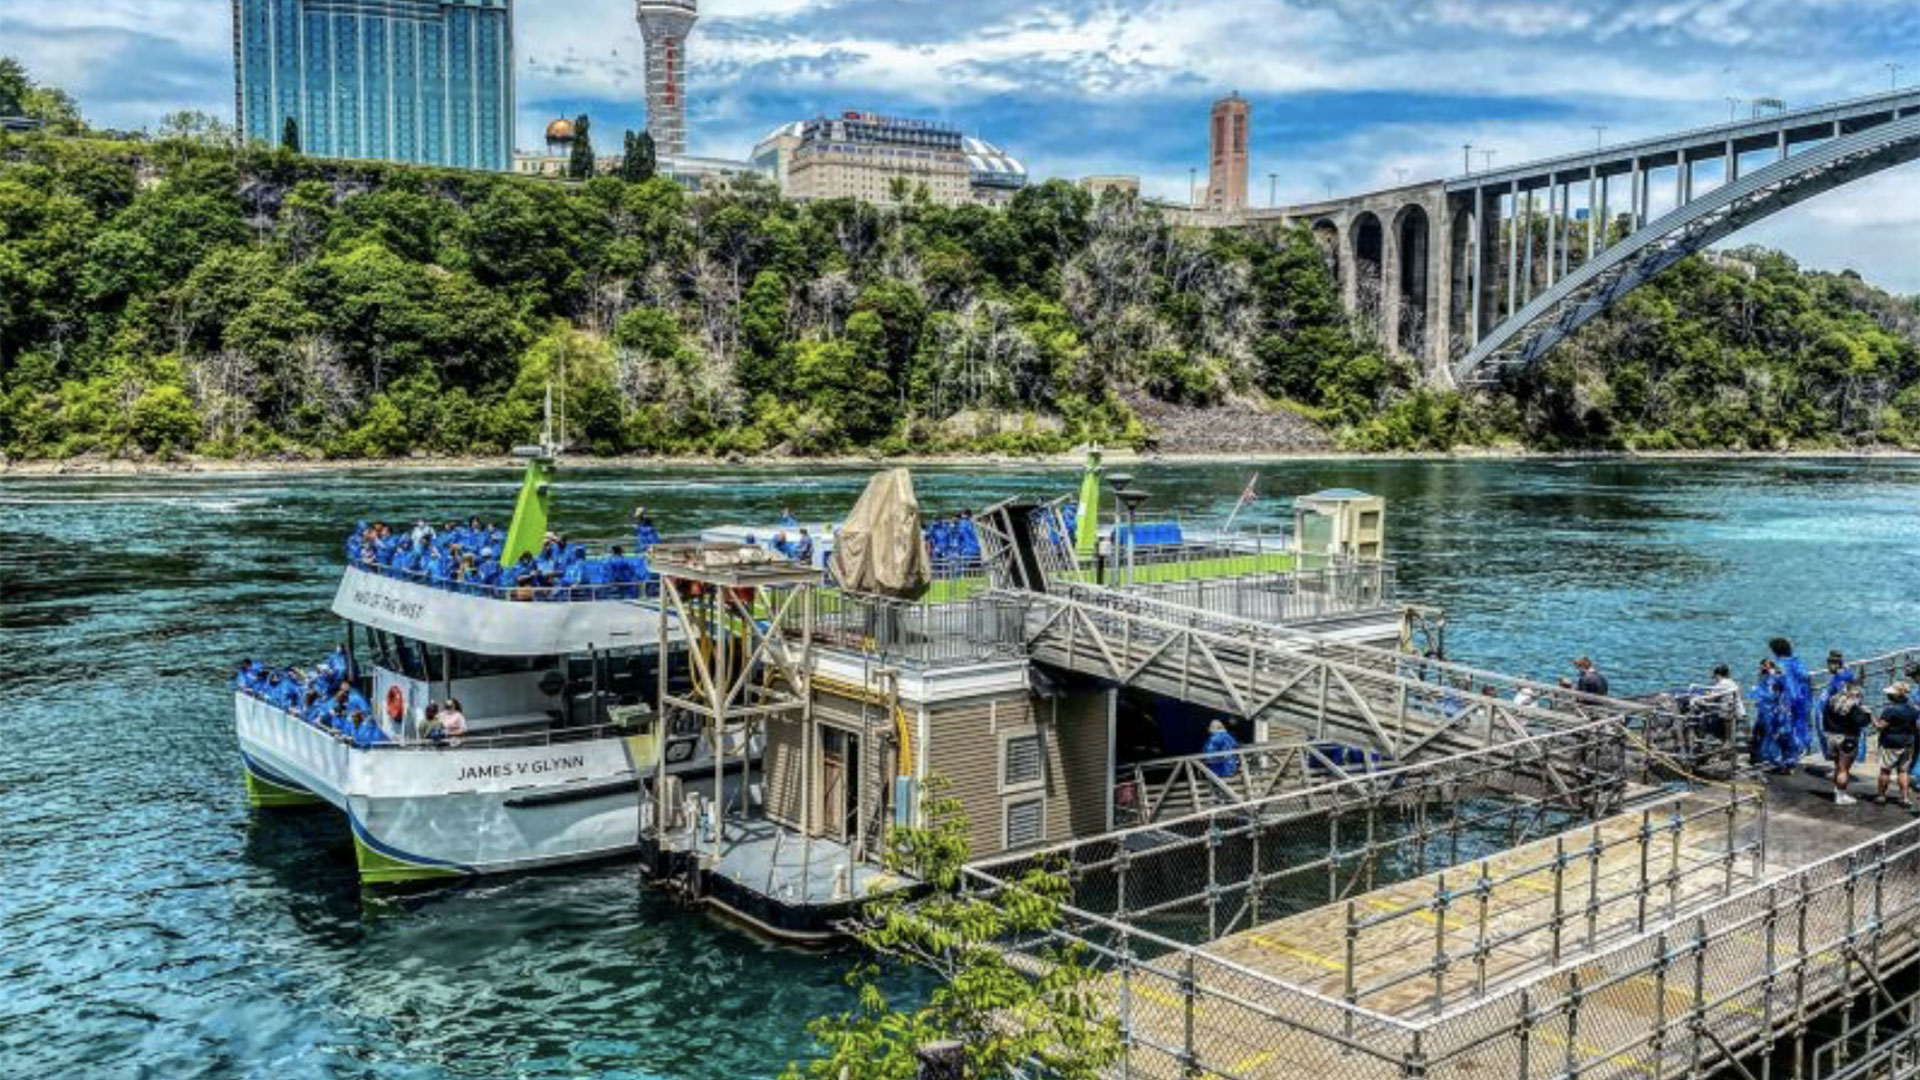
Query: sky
x=1346, y=94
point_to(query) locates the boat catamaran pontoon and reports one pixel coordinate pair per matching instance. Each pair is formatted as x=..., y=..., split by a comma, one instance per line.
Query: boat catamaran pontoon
x=557, y=686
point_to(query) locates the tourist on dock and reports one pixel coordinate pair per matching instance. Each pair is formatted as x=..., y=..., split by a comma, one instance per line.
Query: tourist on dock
x=1783, y=731
x=1839, y=678
x=1221, y=744
x=1898, y=724
x=787, y=520
x=803, y=547
x=453, y=722
x=1589, y=681
x=1846, y=719
x=1726, y=705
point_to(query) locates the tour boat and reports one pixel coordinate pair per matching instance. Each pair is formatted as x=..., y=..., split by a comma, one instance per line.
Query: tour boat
x=557, y=685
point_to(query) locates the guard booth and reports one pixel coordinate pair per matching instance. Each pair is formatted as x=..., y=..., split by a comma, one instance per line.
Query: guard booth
x=1339, y=525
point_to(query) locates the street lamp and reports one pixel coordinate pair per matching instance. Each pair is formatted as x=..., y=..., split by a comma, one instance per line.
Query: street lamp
x=1599, y=136
x=1193, y=187
x=1893, y=74
x=1131, y=499
x=1273, y=186
x=1121, y=482
x=1466, y=154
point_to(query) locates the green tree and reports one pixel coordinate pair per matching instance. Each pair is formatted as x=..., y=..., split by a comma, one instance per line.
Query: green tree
x=164, y=419
x=14, y=85
x=193, y=125
x=580, y=161
x=1046, y=1019
x=290, y=135
x=637, y=164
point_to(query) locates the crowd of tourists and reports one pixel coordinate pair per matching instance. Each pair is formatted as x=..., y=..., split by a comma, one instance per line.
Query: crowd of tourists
x=323, y=695
x=1792, y=721
x=326, y=696
x=467, y=558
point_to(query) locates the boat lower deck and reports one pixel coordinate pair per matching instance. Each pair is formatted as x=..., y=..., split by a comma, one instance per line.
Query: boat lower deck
x=764, y=873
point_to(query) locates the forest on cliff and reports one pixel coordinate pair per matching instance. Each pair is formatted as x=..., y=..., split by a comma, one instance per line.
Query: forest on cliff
x=180, y=295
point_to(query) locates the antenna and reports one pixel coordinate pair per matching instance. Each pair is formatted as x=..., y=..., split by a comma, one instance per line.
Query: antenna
x=546, y=429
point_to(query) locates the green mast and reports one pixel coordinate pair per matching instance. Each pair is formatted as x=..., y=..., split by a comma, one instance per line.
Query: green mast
x=1086, y=527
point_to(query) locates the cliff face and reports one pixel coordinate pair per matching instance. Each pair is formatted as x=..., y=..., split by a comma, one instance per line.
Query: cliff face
x=1741, y=350
x=170, y=296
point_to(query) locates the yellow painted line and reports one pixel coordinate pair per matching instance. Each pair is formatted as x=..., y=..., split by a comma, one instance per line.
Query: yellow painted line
x=1295, y=951
x=1159, y=997
x=1381, y=904
x=1252, y=1061
x=1637, y=1064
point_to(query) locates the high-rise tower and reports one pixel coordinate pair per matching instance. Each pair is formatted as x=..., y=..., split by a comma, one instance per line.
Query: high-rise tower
x=665, y=24
x=1227, y=160
x=422, y=81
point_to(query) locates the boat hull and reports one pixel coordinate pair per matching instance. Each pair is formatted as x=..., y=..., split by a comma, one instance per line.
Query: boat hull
x=434, y=813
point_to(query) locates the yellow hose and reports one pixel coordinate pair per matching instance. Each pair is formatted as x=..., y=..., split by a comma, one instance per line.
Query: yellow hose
x=873, y=697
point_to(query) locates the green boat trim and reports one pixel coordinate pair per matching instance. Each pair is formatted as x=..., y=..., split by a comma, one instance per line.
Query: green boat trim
x=276, y=792
x=381, y=864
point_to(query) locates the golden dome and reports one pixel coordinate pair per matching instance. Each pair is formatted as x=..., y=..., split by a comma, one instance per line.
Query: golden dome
x=560, y=131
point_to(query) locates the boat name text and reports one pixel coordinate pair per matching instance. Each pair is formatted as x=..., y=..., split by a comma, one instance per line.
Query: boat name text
x=392, y=605
x=509, y=770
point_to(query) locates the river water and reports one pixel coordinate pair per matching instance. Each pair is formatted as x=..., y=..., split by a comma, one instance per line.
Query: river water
x=150, y=925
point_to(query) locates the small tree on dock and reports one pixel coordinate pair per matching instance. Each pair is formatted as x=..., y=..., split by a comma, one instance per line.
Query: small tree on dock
x=988, y=1019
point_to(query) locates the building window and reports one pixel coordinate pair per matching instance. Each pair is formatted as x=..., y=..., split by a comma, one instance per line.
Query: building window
x=1026, y=823
x=1023, y=763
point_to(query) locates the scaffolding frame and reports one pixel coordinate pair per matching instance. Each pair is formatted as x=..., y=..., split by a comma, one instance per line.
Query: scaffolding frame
x=711, y=593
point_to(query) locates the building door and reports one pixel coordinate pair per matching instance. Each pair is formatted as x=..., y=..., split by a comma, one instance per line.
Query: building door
x=837, y=751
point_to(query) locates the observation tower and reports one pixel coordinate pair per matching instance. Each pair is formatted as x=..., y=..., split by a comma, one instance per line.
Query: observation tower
x=665, y=24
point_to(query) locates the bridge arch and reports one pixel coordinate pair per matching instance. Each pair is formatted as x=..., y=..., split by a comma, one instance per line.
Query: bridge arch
x=1552, y=316
x=1326, y=234
x=1368, y=240
x=1413, y=291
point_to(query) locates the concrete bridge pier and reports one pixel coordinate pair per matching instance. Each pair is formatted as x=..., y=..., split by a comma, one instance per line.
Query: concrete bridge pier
x=1397, y=255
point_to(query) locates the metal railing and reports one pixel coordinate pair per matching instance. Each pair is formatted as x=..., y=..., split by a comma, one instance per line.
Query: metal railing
x=1168, y=787
x=1282, y=596
x=976, y=629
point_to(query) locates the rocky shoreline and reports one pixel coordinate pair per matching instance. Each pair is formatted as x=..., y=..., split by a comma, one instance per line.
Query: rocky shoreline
x=187, y=466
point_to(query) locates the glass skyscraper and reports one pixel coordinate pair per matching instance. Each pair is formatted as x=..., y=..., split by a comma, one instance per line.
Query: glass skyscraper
x=423, y=81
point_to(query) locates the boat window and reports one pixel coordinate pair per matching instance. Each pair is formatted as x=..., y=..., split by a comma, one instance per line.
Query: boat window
x=477, y=666
x=383, y=654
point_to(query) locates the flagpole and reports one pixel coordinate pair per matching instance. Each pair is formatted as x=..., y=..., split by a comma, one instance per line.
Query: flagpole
x=1246, y=496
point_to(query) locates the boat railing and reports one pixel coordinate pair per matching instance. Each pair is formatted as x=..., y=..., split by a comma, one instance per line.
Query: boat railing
x=556, y=593
x=543, y=735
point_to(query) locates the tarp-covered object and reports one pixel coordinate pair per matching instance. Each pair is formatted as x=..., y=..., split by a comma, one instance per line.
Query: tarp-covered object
x=880, y=549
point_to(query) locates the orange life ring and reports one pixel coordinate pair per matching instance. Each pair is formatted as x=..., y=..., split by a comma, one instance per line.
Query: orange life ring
x=396, y=703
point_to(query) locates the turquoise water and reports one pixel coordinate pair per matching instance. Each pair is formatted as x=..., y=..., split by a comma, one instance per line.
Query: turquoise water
x=150, y=925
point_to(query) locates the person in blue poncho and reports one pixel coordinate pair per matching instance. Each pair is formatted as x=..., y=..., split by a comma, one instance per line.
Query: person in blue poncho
x=1783, y=695
x=1221, y=744
x=644, y=534
x=367, y=733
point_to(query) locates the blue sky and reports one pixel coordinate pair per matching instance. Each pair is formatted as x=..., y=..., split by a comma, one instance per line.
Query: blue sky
x=1347, y=93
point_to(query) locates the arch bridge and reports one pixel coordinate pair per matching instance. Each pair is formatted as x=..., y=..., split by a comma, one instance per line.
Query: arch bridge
x=1487, y=272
